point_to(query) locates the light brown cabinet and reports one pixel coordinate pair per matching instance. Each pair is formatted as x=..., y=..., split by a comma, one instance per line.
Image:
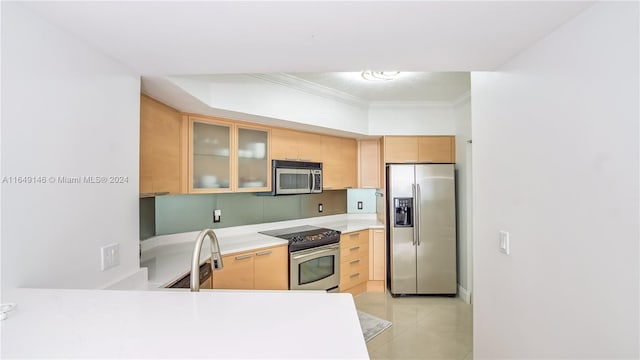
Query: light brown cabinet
x=377, y=261
x=264, y=269
x=339, y=163
x=295, y=145
x=354, y=261
x=437, y=149
x=369, y=164
x=419, y=149
x=226, y=156
x=160, y=147
x=339, y=156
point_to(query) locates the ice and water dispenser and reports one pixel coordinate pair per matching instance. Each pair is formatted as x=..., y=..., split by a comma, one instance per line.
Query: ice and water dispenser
x=403, y=212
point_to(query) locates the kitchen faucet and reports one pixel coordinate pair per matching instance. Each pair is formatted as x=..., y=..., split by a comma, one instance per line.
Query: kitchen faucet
x=216, y=259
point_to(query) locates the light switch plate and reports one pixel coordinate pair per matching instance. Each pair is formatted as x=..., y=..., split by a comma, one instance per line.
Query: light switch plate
x=503, y=242
x=110, y=256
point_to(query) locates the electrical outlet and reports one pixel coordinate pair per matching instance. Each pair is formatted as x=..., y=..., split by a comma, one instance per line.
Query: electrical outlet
x=217, y=216
x=110, y=256
x=320, y=208
x=359, y=205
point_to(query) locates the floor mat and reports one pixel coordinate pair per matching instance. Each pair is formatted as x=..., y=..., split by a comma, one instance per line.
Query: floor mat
x=371, y=325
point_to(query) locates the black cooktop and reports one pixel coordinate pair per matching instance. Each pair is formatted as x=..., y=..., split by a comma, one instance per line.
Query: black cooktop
x=305, y=237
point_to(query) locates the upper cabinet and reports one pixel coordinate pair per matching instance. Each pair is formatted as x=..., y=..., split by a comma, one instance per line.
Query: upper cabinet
x=437, y=149
x=210, y=154
x=160, y=147
x=369, y=164
x=295, y=145
x=254, y=167
x=227, y=156
x=419, y=149
x=339, y=156
x=339, y=163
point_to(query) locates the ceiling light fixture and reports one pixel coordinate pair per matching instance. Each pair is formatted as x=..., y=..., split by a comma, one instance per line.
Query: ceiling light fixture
x=380, y=75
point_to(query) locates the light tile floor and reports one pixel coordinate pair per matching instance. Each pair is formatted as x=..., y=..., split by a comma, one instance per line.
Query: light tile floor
x=424, y=327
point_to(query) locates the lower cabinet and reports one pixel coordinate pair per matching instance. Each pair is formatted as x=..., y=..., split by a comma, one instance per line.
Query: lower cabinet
x=263, y=269
x=354, y=261
x=377, y=260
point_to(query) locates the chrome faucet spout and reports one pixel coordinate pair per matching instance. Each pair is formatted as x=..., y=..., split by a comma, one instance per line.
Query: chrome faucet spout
x=216, y=259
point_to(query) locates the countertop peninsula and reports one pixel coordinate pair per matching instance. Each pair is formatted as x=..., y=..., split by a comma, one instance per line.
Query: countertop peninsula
x=231, y=324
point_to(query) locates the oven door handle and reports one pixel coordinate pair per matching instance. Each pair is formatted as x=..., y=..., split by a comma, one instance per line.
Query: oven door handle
x=327, y=249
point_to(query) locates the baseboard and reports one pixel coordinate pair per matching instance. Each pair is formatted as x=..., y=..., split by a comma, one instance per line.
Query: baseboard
x=464, y=294
x=375, y=286
x=356, y=290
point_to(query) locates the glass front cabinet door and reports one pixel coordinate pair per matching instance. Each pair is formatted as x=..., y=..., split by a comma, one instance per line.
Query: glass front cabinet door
x=226, y=156
x=210, y=156
x=254, y=167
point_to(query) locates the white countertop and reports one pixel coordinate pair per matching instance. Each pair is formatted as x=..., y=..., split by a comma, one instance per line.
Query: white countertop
x=56, y=323
x=168, y=257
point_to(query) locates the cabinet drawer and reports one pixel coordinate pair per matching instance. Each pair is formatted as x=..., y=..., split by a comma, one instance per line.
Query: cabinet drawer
x=353, y=237
x=354, y=266
x=354, y=277
x=355, y=251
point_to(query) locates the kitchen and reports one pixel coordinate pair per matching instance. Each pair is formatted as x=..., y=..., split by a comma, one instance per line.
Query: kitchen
x=57, y=137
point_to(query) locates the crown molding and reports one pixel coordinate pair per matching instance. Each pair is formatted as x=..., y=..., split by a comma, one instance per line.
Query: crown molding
x=408, y=104
x=296, y=83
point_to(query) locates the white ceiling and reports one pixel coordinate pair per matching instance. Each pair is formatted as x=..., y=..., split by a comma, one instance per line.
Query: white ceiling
x=204, y=37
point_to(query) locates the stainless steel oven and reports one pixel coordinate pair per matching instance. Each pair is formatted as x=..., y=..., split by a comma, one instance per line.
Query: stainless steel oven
x=315, y=269
x=314, y=257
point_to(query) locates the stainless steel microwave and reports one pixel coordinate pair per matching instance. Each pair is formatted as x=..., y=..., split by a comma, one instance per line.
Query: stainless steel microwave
x=296, y=177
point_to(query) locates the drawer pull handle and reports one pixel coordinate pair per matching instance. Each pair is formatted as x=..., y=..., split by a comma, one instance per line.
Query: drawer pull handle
x=354, y=275
x=354, y=248
x=242, y=257
x=354, y=261
x=266, y=252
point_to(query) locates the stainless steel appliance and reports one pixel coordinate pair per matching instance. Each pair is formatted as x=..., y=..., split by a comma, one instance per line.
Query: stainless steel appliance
x=421, y=215
x=296, y=177
x=314, y=257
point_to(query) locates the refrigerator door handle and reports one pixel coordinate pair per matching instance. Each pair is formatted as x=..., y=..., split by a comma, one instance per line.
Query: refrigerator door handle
x=415, y=214
x=418, y=213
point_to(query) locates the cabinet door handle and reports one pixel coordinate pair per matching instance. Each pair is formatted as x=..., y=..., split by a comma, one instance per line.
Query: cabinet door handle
x=266, y=252
x=354, y=261
x=242, y=257
x=354, y=248
x=354, y=275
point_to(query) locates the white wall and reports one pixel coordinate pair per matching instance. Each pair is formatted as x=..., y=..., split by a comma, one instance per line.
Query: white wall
x=462, y=114
x=411, y=119
x=555, y=136
x=250, y=95
x=66, y=111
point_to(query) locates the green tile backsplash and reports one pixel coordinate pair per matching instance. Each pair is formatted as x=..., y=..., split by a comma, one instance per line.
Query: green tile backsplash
x=183, y=213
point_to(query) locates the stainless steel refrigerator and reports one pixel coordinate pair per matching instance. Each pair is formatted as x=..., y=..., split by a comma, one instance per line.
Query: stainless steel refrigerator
x=421, y=214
